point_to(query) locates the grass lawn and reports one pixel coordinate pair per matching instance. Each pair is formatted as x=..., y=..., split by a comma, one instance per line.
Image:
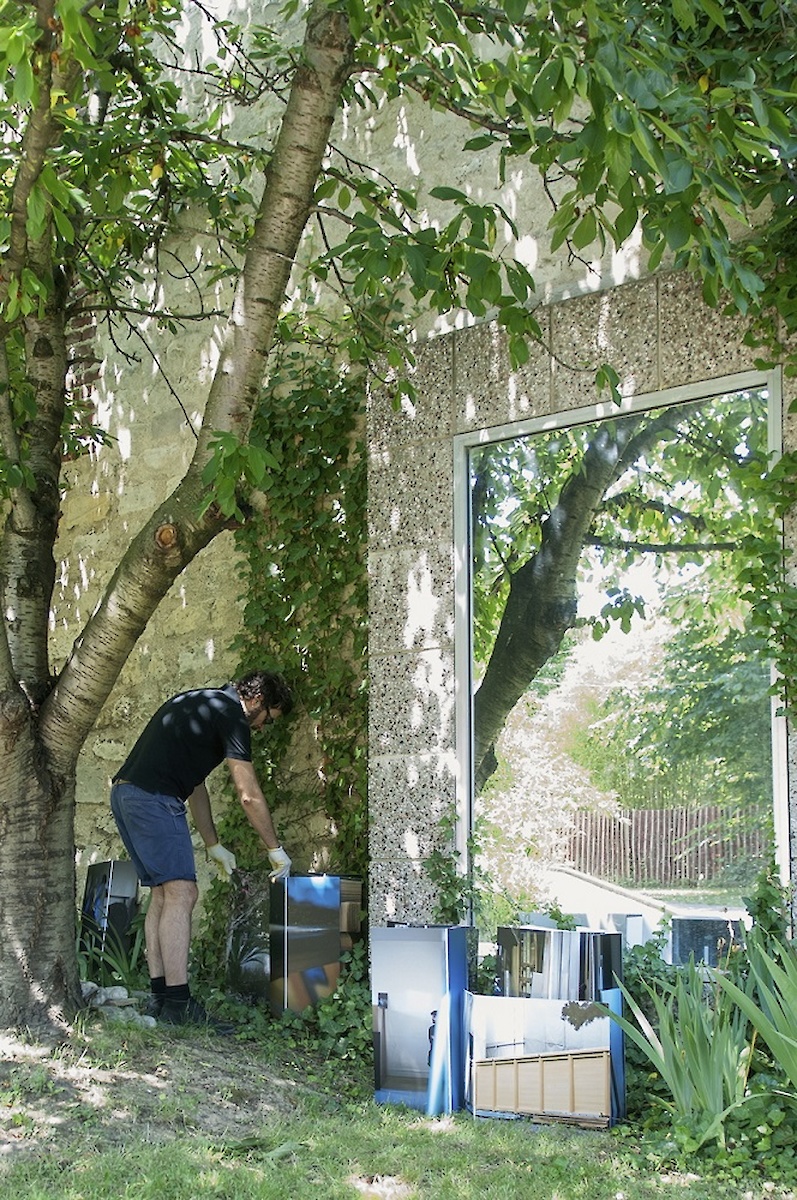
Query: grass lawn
x=119, y=1112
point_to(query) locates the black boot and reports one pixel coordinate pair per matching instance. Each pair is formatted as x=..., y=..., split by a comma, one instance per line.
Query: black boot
x=153, y=1005
x=191, y=1012
x=157, y=994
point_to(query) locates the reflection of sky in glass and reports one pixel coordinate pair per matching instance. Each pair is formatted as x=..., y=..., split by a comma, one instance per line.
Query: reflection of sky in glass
x=322, y=891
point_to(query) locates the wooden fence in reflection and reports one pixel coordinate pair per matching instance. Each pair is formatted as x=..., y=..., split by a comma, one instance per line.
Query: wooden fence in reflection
x=668, y=847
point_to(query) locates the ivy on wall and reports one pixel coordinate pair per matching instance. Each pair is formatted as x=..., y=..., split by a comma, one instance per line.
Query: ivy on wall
x=306, y=592
x=768, y=584
x=304, y=589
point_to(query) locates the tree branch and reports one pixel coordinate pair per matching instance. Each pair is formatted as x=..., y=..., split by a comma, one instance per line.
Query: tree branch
x=175, y=534
x=658, y=548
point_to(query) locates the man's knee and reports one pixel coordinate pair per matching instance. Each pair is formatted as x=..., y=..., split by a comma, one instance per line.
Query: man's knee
x=181, y=892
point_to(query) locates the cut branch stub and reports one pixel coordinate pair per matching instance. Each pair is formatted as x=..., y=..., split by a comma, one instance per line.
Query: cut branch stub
x=167, y=537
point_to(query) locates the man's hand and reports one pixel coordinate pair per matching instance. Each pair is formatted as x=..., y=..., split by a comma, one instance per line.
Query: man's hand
x=280, y=862
x=223, y=860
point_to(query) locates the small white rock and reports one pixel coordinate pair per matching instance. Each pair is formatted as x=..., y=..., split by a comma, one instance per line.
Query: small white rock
x=115, y=993
x=124, y=1015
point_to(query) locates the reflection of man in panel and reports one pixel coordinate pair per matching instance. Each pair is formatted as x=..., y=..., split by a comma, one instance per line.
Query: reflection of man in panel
x=186, y=739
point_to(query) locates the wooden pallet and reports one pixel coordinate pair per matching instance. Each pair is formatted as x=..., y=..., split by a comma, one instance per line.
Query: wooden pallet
x=573, y=1087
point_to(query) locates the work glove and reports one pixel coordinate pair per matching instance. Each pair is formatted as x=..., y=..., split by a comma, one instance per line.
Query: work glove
x=280, y=862
x=223, y=860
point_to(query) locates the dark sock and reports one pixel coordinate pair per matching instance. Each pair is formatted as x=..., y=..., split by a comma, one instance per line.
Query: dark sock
x=180, y=993
x=158, y=985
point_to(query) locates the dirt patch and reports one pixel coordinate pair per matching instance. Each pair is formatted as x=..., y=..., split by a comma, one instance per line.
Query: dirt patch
x=98, y=1085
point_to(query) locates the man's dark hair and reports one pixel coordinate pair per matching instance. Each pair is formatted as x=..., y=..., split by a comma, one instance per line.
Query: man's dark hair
x=268, y=687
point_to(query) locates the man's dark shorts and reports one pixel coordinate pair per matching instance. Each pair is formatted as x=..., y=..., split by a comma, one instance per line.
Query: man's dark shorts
x=155, y=832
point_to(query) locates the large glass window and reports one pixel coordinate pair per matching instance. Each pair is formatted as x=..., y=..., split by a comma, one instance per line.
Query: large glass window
x=615, y=695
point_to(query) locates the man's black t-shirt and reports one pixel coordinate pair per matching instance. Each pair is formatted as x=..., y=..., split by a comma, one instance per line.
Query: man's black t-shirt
x=186, y=739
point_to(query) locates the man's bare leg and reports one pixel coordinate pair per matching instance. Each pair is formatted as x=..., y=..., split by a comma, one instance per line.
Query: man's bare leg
x=167, y=928
x=151, y=939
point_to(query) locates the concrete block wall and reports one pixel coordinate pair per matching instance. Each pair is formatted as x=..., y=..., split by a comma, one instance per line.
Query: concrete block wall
x=658, y=334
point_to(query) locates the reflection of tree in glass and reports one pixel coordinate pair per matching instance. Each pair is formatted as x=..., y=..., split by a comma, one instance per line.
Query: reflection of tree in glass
x=558, y=512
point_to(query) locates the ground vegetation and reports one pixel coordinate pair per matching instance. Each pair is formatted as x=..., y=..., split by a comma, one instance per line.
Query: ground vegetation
x=123, y=174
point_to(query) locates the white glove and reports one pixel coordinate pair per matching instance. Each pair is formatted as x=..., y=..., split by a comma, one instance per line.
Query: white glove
x=280, y=862
x=223, y=860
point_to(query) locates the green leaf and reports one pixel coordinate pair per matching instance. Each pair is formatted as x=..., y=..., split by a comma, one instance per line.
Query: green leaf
x=625, y=224
x=647, y=146
x=37, y=213
x=607, y=379
x=448, y=193
x=714, y=11
x=618, y=159
x=683, y=11
x=64, y=226
x=679, y=228
x=24, y=83
x=544, y=90
x=480, y=142
x=585, y=231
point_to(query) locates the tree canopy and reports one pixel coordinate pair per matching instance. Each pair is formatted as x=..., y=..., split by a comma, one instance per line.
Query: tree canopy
x=698, y=733
x=123, y=172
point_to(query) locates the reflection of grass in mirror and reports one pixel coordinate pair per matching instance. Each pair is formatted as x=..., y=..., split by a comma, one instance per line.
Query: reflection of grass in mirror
x=692, y=897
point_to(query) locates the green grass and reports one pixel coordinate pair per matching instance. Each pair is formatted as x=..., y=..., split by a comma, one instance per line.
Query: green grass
x=337, y=1156
x=716, y=897
x=129, y=1116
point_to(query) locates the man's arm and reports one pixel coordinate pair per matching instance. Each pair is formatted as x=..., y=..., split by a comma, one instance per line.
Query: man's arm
x=253, y=801
x=199, y=804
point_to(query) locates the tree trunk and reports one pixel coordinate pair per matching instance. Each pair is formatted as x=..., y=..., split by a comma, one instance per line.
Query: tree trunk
x=43, y=730
x=37, y=897
x=542, y=602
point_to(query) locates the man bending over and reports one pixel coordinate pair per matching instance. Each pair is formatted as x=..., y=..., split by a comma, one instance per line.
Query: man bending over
x=186, y=739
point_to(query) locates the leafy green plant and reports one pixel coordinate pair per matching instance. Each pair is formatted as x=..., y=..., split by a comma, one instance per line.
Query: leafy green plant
x=338, y=1030
x=340, y=1024
x=452, y=887
x=305, y=593
x=699, y=1047
x=644, y=966
x=111, y=959
x=494, y=907
x=554, y=910
x=304, y=598
x=768, y=903
x=455, y=889
x=769, y=1006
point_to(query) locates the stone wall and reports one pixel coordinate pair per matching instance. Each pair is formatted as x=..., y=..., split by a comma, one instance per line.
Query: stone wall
x=658, y=335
